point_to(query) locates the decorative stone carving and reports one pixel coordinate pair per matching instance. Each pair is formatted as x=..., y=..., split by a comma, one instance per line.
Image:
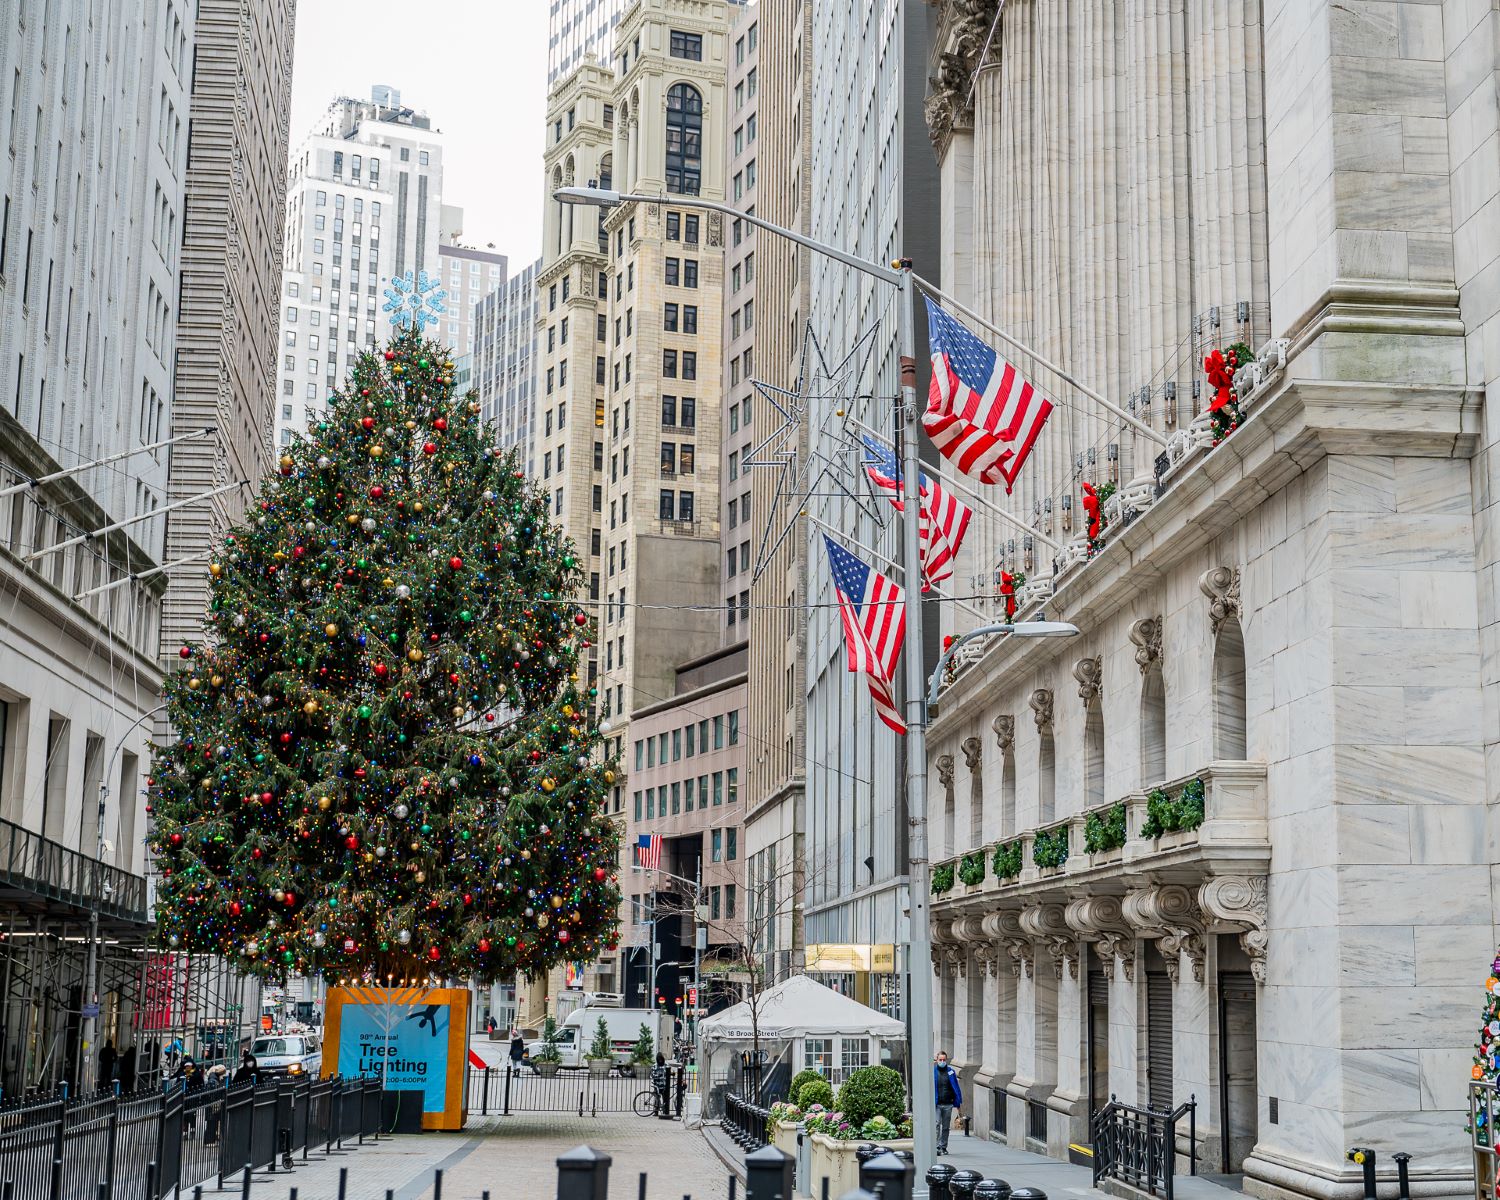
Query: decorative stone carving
x=973, y=750
x=1088, y=672
x=987, y=956
x=1047, y=924
x=1101, y=919
x=1005, y=732
x=1004, y=927
x=1222, y=587
x=715, y=230
x=967, y=25
x=945, y=770
x=1146, y=634
x=1170, y=914
x=1239, y=903
x=1119, y=947
x=1041, y=707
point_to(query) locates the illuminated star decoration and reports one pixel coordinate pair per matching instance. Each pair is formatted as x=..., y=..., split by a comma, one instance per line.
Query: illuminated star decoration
x=414, y=301
x=801, y=469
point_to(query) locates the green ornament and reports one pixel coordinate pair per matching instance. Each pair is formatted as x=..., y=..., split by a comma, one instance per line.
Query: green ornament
x=364, y=712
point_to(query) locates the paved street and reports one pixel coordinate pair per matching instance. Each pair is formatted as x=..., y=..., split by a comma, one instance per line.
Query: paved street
x=513, y=1158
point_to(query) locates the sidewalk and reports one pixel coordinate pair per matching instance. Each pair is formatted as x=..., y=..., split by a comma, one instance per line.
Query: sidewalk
x=1020, y=1168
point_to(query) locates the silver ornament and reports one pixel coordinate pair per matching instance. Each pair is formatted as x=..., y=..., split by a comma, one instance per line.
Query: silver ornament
x=400, y=812
x=324, y=462
x=252, y=948
x=402, y=591
x=318, y=940
x=404, y=937
x=174, y=940
x=238, y=620
x=606, y=726
x=368, y=524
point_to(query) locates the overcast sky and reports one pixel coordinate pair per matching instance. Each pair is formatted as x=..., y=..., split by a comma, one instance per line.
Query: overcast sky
x=476, y=67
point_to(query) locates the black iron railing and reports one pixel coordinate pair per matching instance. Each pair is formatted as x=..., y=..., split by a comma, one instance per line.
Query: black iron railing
x=37, y=864
x=148, y=1145
x=1138, y=1146
x=745, y=1122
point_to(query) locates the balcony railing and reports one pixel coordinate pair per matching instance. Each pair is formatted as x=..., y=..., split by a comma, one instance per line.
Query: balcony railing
x=32, y=863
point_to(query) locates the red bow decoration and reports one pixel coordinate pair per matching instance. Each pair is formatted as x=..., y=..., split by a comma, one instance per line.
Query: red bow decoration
x=1091, y=508
x=1008, y=590
x=1221, y=375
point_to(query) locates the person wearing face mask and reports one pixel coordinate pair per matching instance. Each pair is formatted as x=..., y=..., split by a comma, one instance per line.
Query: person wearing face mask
x=949, y=1097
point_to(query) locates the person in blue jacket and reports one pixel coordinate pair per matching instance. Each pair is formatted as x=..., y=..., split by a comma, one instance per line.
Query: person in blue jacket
x=949, y=1097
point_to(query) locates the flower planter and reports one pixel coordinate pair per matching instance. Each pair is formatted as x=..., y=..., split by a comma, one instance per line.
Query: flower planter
x=547, y=1069
x=836, y=1161
x=599, y=1068
x=640, y=1070
x=784, y=1137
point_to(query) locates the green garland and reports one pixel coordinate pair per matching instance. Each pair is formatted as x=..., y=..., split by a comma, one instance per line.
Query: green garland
x=1050, y=849
x=971, y=868
x=1007, y=862
x=942, y=879
x=1104, y=829
x=1165, y=815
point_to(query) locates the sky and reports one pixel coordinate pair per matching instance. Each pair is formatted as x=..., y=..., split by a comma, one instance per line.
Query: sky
x=478, y=69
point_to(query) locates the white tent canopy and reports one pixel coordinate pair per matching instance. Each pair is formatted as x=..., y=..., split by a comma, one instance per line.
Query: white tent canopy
x=800, y=1007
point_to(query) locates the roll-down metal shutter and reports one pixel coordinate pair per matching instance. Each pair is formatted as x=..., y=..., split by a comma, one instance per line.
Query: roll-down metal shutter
x=1159, y=1040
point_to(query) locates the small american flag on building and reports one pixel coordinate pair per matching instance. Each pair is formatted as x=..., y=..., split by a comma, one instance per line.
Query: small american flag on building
x=944, y=518
x=874, y=613
x=648, y=851
x=982, y=414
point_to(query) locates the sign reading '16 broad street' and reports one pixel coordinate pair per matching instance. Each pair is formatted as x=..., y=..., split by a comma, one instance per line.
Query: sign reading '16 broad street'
x=414, y=1038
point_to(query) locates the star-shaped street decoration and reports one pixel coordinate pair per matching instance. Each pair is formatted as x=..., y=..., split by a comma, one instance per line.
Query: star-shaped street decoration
x=415, y=300
x=807, y=462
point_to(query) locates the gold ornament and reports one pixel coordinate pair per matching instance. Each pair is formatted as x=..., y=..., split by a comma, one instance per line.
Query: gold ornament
x=421, y=876
x=215, y=569
x=556, y=901
x=193, y=683
x=310, y=707
x=567, y=710
x=376, y=451
x=417, y=506
x=216, y=680
x=542, y=920
x=526, y=854
x=414, y=654
x=609, y=776
x=458, y=711
x=331, y=629
x=548, y=784
x=286, y=461
x=324, y=803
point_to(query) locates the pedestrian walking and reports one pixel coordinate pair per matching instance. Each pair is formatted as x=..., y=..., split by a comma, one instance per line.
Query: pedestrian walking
x=249, y=1069
x=107, y=1060
x=661, y=1080
x=950, y=1096
x=517, y=1049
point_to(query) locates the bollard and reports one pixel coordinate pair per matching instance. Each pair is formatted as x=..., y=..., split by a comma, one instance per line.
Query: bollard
x=888, y=1176
x=583, y=1174
x=1029, y=1193
x=1403, y=1175
x=343, y=1183
x=864, y=1153
x=1364, y=1157
x=768, y=1174
x=994, y=1189
x=437, y=1185
x=963, y=1183
x=938, y=1176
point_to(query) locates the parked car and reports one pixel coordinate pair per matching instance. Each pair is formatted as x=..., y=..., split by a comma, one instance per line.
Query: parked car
x=288, y=1054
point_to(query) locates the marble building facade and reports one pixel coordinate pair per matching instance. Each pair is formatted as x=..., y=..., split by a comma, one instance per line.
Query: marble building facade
x=1285, y=681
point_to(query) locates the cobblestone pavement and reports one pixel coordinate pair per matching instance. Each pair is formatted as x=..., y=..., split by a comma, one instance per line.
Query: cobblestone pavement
x=511, y=1158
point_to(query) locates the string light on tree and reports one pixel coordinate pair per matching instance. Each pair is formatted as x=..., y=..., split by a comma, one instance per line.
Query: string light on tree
x=335, y=800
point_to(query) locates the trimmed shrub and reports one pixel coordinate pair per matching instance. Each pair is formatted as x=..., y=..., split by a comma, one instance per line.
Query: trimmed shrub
x=807, y=1075
x=815, y=1091
x=871, y=1092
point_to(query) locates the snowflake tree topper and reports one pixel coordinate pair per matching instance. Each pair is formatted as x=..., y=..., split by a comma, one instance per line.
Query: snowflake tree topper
x=415, y=301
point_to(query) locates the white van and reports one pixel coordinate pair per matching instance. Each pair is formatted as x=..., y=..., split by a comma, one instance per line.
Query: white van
x=576, y=1034
x=288, y=1054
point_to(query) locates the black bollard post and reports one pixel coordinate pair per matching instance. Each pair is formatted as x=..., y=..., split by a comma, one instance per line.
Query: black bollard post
x=963, y=1183
x=768, y=1174
x=1026, y=1193
x=103, y=1190
x=1364, y=1157
x=1403, y=1175
x=150, y=1180
x=245, y=1182
x=437, y=1185
x=343, y=1183
x=888, y=1176
x=583, y=1174
x=938, y=1176
x=994, y=1189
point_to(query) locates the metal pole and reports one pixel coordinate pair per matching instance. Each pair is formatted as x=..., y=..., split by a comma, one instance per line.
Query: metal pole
x=86, y=1072
x=919, y=953
x=697, y=952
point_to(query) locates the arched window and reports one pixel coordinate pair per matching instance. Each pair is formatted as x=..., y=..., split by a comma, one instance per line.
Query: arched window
x=1229, y=691
x=1153, y=727
x=1093, y=753
x=607, y=182
x=1046, y=792
x=557, y=178
x=1008, y=795
x=684, y=139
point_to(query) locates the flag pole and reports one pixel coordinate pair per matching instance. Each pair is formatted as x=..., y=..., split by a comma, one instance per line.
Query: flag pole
x=988, y=505
x=1139, y=426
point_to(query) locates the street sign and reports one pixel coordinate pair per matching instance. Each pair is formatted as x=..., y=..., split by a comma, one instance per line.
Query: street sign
x=90, y=1011
x=692, y=997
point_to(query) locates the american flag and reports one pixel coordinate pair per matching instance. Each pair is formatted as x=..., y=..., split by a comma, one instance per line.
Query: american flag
x=982, y=415
x=944, y=518
x=648, y=850
x=874, y=613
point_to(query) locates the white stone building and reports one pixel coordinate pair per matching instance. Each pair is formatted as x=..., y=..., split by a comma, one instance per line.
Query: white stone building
x=504, y=342
x=1293, y=629
x=364, y=206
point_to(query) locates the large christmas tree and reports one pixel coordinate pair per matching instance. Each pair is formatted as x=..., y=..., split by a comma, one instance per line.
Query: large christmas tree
x=384, y=762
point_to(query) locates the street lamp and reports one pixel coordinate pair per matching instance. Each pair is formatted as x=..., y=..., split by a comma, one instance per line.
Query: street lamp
x=1036, y=629
x=905, y=417
x=697, y=886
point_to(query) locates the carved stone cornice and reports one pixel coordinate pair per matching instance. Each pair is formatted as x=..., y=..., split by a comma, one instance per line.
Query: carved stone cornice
x=945, y=770
x=1003, y=926
x=963, y=33
x=1047, y=924
x=1146, y=635
x=1100, y=919
x=1005, y=732
x=1041, y=707
x=1170, y=914
x=973, y=750
x=1222, y=587
x=1238, y=903
x=1088, y=672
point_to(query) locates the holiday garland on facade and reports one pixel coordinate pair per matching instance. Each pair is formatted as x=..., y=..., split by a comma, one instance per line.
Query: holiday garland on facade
x=1224, y=408
x=384, y=762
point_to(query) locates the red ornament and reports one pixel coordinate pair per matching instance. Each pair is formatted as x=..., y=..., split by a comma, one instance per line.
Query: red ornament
x=352, y=842
x=484, y=945
x=390, y=356
x=255, y=853
x=367, y=423
x=468, y=899
x=429, y=447
x=286, y=739
x=580, y=619
x=376, y=492
x=298, y=551
x=266, y=797
x=455, y=562
x=359, y=772
x=564, y=936
x=290, y=899
x=176, y=839
x=612, y=947
x=599, y=874
x=440, y=424
x=264, y=638
x=433, y=953
x=381, y=670
x=185, y=652
x=234, y=908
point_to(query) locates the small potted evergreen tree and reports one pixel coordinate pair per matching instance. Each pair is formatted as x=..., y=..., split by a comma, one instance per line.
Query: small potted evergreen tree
x=643, y=1053
x=601, y=1056
x=548, y=1059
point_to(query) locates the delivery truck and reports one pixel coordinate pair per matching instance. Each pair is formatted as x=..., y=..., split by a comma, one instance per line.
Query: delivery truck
x=575, y=1034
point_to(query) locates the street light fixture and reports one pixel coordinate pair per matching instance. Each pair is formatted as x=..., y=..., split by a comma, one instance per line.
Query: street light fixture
x=1027, y=629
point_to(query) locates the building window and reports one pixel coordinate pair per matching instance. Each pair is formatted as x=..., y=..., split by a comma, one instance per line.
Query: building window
x=690, y=272
x=718, y=846
x=668, y=458
x=684, y=506
x=734, y=785
x=684, y=137
x=734, y=728
x=669, y=318
x=687, y=45
x=669, y=410
x=731, y=844
x=719, y=733
x=674, y=227
x=667, y=504
x=669, y=364
x=689, y=364
x=689, y=415
x=674, y=267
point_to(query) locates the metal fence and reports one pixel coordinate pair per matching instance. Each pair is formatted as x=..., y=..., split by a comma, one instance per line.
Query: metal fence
x=1138, y=1146
x=144, y=1146
x=507, y=1090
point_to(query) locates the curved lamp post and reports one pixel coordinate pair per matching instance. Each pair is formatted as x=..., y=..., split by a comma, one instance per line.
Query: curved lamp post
x=1038, y=629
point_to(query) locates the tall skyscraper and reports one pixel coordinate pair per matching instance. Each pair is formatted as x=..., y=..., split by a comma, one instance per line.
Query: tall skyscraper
x=364, y=206
x=468, y=276
x=227, y=326
x=504, y=369
x=576, y=28
x=874, y=194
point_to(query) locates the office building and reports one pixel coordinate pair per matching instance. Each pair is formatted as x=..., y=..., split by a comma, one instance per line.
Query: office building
x=504, y=371
x=468, y=276
x=576, y=29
